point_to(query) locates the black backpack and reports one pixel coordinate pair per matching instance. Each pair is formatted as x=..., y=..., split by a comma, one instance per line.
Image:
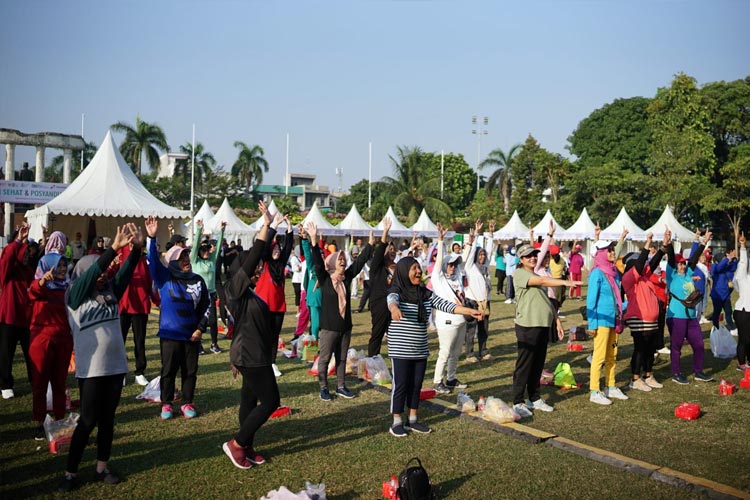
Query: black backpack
x=414, y=483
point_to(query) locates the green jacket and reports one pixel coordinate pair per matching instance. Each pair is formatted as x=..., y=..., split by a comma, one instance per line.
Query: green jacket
x=205, y=268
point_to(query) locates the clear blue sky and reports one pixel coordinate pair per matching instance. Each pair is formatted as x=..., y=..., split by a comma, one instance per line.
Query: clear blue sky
x=338, y=74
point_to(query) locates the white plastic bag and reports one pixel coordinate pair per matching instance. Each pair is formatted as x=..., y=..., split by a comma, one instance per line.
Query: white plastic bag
x=723, y=344
x=378, y=370
x=499, y=411
x=464, y=402
x=60, y=429
x=152, y=392
x=283, y=493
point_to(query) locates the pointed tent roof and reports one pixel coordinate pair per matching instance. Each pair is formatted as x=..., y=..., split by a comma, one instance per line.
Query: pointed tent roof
x=515, y=228
x=397, y=229
x=679, y=232
x=543, y=226
x=204, y=213
x=582, y=229
x=324, y=227
x=354, y=223
x=107, y=187
x=272, y=208
x=425, y=226
x=235, y=227
x=623, y=221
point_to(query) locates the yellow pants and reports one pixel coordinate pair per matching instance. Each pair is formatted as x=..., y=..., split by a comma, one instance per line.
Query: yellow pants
x=605, y=353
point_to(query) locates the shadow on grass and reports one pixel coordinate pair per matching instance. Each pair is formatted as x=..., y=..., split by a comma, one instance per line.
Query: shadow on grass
x=446, y=487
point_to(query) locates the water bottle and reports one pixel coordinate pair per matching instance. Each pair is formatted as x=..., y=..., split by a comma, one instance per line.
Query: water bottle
x=394, y=488
x=481, y=403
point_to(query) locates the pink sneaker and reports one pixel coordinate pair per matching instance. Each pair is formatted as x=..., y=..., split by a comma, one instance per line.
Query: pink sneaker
x=166, y=411
x=236, y=454
x=188, y=411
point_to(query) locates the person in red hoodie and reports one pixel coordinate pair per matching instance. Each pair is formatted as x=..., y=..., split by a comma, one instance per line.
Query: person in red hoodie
x=270, y=286
x=17, y=266
x=51, y=342
x=135, y=305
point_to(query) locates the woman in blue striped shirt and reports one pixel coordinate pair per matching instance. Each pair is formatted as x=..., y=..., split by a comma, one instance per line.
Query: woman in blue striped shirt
x=410, y=304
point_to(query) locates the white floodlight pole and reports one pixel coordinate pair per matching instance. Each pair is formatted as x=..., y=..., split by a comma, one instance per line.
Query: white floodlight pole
x=192, y=178
x=369, y=178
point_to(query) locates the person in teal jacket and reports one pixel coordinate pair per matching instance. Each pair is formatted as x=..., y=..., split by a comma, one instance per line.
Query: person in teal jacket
x=310, y=283
x=203, y=258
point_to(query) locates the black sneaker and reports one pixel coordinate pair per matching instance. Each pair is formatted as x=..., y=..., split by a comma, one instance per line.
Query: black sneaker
x=440, y=388
x=325, y=395
x=344, y=393
x=455, y=384
x=419, y=428
x=680, y=379
x=215, y=349
x=201, y=351
x=39, y=434
x=398, y=430
x=68, y=483
x=702, y=377
x=106, y=476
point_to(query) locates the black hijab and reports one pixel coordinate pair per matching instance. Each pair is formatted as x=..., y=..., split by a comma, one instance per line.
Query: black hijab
x=412, y=294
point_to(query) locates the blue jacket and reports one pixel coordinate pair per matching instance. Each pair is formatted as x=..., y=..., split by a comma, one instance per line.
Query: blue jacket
x=601, y=304
x=722, y=273
x=700, y=285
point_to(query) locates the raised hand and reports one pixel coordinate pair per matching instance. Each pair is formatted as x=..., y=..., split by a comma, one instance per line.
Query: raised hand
x=441, y=231
x=312, y=230
x=301, y=231
x=624, y=234
x=223, y=224
x=667, y=236
x=123, y=237
x=152, y=225
x=288, y=223
x=552, y=228
x=386, y=227
x=708, y=236
x=742, y=238
x=492, y=226
x=478, y=226
x=139, y=241
x=371, y=241
x=23, y=232
x=597, y=231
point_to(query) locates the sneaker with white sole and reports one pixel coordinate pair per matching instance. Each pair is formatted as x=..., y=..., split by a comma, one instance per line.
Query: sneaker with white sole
x=455, y=384
x=704, y=320
x=599, y=398
x=440, y=388
x=344, y=393
x=539, y=404
x=276, y=371
x=615, y=393
x=236, y=454
x=8, y=393
x=188, y=411
x=522, y=410
x=734, y=332
x=215, y=349
x=702, y=377
x=166, y=412
x=679, y=378
x=653, y=383
x=508, y=301
x=141, y=380
x=664, y=350
x=398, y=431
x=742, y=368
x=417, y=427
x=639, y=385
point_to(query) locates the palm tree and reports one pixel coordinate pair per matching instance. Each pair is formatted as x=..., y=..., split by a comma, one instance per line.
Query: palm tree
x=89, y=151
x=143, y=138
x=410, y=189
x=501, y=178
x=250, y=164
x=204, y=162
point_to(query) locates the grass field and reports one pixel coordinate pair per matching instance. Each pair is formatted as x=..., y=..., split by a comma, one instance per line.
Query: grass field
x=346, y=442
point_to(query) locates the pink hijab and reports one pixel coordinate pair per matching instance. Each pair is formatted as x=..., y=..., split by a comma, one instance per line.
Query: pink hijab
x=602, y=263
x=337, y=280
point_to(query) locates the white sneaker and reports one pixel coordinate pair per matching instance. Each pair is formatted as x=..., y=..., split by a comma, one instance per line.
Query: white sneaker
x=733, y=332
x=125, y=380
x=8, y=393
x=664, y=350
x=522, y=410
x=141, y=380
x=276, y=371
x=561, y=316
x=599, y=398
x=539, y=404
x=653, y=383
x=615, y=393
x=639, y=385
x=704, y=320
x=509, y=301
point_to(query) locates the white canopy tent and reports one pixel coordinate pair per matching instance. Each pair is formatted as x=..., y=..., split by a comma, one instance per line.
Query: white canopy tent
x=397, y=230
x=325, y=228
x=424, y=226
x=514, y=229
x=354, y=224
x=542, y=228
x=234, y=229
x=204, y=213
x=623, y=221
x=108, y=194
x=667, y=219
x=272, y=208
x=582, y=229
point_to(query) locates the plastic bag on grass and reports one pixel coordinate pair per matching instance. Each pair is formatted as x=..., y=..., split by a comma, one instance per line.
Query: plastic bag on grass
x=497, y=410
x=152, y=392
x=60, y=429
x=352, y=360
x=564, y=376
x=283, y=493
x=378, y=370
x=723, y=344
x=464, y=402
x=331, y=367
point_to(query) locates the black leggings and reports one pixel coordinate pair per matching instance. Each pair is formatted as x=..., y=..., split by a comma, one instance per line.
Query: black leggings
x=10, y=337
x=213, y=323
x=381, y=318
x=408, y=375
x=532, y=352
x=139, y=322
x=500, y=275
x=257, y=384
x=742, y=319
x=277, y=320
x=644, y=347
x=182, y=355
x=99, y=399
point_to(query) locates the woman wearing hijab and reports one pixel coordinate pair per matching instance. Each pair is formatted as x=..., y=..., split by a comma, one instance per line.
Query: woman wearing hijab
x=478, y=292
x=642, y=315
x=604, y=313
x=204, y=261
x=183, y=319
x=51, y=344
x=271, y=284
x=500, y=267
x=101, y=362
x=411, y=304
x=18, y=263
x=334, y=279
x=742, y=308
x=381, y=273
x=252, y=348
x=447, y=282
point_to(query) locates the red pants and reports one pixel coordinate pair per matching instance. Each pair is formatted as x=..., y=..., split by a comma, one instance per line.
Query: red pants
x=50, y=357
x=304, y=315
x=575, y=291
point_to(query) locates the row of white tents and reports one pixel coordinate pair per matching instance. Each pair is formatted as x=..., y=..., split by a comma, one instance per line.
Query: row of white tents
x=109, y=194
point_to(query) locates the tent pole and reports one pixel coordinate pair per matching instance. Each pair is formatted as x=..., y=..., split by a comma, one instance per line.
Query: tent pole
x=192, y=178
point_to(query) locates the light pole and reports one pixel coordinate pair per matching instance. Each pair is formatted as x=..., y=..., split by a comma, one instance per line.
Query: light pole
x=479, y=132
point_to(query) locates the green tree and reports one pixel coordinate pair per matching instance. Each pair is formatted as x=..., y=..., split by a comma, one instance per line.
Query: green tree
x=411, y=189
x=733, y=197
x=143, y=138
x=58, y=161
x=486, y=207
x=176, y=194
x=250, y=165
x=204, y=163
x=216, y=186
x=287, y=205
x=728, y=107
x=359, y=195
x=501, y=180
x=618, y=131
x=459, y=179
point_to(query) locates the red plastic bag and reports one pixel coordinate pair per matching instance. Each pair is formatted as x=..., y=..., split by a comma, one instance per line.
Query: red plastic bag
x=687, y=411
x=427, y=394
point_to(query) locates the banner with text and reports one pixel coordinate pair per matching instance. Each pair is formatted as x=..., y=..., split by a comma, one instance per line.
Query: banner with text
x=32, y=193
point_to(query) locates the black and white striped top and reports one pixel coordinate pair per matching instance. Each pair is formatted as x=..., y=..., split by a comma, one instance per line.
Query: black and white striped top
x=407, y=339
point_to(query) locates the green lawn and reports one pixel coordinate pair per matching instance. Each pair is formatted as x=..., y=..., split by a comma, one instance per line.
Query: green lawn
x=347, y=443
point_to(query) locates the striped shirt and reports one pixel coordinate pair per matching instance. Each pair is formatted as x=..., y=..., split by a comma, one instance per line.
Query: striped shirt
x=407, y=339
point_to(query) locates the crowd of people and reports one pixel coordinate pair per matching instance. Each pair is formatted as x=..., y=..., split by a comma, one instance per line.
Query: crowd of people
x=60, y=300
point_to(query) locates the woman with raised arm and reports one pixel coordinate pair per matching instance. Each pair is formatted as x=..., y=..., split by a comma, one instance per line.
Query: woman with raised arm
x=101, y=363
x=533, y=320
x=681, y=318
x=381, y=272
x=478, y=292
x=642, y=314
x=334, y=279
x=183, y=318
x=203, y=259
x=252, y=348
x=410, y=304
x=742, y=308
x=556, y=331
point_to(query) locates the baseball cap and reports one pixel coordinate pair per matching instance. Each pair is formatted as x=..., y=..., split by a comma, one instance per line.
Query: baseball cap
x=527, y=250
x=603, y=244
x=454, y=259
x=177, y=238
